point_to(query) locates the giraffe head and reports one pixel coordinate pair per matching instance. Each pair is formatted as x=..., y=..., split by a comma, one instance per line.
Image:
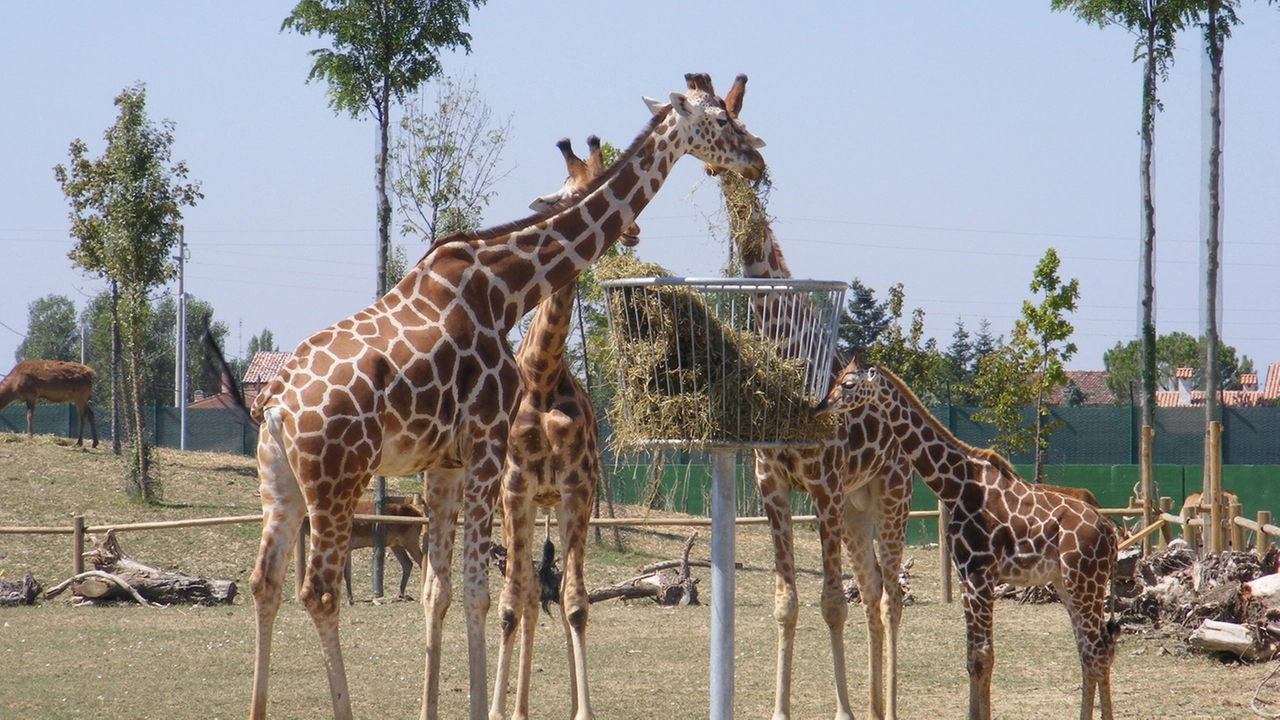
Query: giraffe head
x=581, y=173
x=857, y=384
x=732, y=105
x=716, y=137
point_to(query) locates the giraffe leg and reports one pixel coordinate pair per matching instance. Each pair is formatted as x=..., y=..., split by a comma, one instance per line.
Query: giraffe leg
x=443, y=491
x=776, y=498
x=835, y=606
x=574, y=606
x=1086, y=606
x=979, y=601
x=892, y=511
x=517, y=591
x=871, y=587
x=477, y=528
x=283, y=510
x=321, y=594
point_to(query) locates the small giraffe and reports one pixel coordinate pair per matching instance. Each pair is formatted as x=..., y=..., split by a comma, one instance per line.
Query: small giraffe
x=424, y=380
x=553, y=460
x=1002, y=529
x=857, y=478
x=55, y=381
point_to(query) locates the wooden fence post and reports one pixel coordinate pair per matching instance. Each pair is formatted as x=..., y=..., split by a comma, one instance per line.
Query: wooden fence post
x=1263, y=539
x=1213, y=464
x=1146, y=472
x=944, y=551
x=77, y=544
x=1237, y=530
x=1166, y=532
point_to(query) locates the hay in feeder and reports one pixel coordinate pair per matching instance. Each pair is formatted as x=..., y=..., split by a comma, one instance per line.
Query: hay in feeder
x=690, y=372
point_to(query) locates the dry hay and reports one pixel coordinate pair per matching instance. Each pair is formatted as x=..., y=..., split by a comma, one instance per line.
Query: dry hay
x=686, y=376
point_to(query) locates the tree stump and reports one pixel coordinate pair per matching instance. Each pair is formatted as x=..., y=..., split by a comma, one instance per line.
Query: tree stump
x=19, y=592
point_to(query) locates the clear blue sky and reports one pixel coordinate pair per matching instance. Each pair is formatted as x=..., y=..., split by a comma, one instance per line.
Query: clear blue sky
x=940, y=145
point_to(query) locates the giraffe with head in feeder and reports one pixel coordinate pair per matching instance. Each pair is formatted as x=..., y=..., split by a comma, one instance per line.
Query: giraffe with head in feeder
x=858, y=480
x=423, y=380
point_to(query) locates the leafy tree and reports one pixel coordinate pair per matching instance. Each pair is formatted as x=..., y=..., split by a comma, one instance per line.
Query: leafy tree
x=959, y=366
x=126, y=210
x=52, y=331
x=1173, y=350
x=908, y=353
x=862, y=320
x=444, y=163
x=1032, y=365
x=382, y=50
x=266, y=342
x=1155, y=23
x=203, y=373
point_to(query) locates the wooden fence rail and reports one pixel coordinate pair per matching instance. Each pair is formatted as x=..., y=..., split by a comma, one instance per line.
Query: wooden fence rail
x=1190, y=528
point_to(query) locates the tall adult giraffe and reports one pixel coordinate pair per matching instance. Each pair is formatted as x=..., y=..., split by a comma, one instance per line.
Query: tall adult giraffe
x=424, y=380
x=1002, y=529
x=857, y=478
x=553, y=461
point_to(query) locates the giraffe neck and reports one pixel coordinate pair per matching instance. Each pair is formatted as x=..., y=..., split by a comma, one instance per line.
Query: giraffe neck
x=942, y=460
x=525, y=261
x=543, y=346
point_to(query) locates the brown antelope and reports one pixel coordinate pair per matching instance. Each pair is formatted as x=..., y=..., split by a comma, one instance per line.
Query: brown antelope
x=404, y=540
x=55, y=381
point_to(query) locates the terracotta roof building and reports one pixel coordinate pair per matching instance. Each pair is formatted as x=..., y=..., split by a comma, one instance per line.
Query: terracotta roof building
x=1247, y=396
x=263, y=367
x=1092, y=386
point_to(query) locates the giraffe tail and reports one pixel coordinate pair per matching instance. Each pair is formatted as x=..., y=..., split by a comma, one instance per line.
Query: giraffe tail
x=229, y=377
x=548, y=578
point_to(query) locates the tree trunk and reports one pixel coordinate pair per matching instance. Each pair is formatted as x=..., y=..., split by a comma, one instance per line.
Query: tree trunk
x=115, y=368
x=1148, y=240
x=384, y=205
x=1212, y=369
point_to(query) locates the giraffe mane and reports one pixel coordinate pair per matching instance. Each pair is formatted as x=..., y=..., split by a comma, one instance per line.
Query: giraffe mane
x=996, y=459
x=515, y=225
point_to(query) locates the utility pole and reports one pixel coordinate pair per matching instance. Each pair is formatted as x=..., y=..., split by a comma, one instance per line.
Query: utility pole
x=180, y=348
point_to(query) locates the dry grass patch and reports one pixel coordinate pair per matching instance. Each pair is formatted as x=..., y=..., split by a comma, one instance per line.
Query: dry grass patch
x=645, y=661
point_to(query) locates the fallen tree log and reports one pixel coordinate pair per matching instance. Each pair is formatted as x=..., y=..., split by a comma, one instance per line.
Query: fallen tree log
x=666, y=587
x=117, y=576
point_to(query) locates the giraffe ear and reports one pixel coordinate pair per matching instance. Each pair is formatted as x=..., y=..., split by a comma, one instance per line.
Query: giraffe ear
x=656, y=107
x=681, y=105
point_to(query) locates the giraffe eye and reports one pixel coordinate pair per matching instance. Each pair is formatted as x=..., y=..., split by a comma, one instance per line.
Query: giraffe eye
x=722, y=121
x=848, y=384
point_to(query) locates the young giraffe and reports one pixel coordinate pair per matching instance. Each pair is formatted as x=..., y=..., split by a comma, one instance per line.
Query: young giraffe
x=858, y=481
x=424, y=380
x=553, y=461
x=1002, y=529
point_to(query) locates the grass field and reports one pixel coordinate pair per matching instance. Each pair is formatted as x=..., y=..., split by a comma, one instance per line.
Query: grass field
x=645, y=661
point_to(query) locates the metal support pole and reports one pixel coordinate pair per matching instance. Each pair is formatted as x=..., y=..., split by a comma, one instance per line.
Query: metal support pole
x=723, y=516
x=379, y=533
x=180, y=346
x=944, y=551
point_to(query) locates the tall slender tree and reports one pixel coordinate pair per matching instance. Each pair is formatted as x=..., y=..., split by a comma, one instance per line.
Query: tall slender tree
x=126, y=214
x=382, y=50
x=1155, y=24
x=446, y=159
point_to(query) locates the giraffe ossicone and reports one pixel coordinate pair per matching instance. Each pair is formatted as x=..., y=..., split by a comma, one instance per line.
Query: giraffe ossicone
x=1001, y=529
x=424, y=380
